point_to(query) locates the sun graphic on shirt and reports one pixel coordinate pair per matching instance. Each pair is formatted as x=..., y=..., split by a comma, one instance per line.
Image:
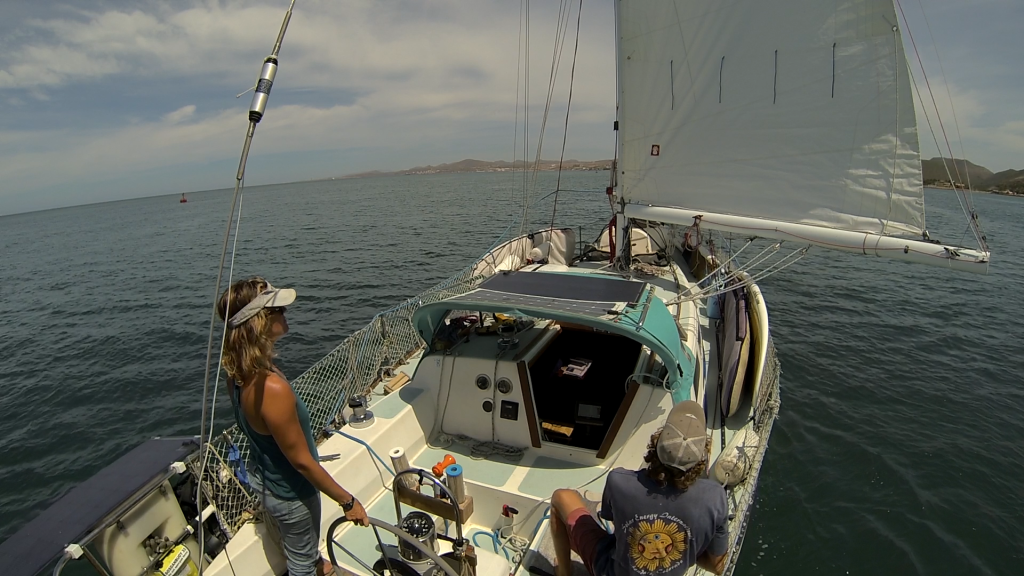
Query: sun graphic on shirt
x=656, y=545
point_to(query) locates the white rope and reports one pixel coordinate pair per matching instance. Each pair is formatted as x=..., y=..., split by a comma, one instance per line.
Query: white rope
x=753, y=278
x=478, y=449
x=797, y=255
x=661, y=380
x=216, y=381
x=224, y=332
x=734, y=273
x=722, y=266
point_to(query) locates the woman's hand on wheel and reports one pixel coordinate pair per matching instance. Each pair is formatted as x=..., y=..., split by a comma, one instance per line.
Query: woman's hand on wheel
x=357, y=515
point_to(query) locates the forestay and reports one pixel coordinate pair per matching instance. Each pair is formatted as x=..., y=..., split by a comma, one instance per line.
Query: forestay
x=785, y=110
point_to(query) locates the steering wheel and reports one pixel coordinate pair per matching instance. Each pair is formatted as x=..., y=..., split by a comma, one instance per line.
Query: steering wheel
x=374, y=523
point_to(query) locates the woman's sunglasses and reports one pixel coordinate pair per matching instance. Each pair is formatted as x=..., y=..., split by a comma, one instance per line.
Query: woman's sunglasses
x=277, y=309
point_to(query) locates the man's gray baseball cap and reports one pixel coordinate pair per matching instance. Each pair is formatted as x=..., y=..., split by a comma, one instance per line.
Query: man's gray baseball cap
x=683, y=441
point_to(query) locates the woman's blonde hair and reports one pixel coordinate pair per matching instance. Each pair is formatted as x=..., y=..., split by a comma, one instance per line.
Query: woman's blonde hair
x=248, y=349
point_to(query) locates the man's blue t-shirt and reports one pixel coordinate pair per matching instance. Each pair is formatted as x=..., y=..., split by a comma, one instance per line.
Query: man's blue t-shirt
x=661, y=531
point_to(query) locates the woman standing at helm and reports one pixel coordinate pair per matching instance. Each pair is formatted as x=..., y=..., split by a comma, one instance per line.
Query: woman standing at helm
x=288, y=475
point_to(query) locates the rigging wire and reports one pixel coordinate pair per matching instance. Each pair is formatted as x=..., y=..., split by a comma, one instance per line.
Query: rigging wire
x=972, y=217
x=896, y=139
x=526, y=116
x=204, y=447
x=796, y=256
x=935, y=139
x=949, y=95
x=560, y=35
x=722, y=266
x=568, y=107
x=724, y=284
x=515, y=137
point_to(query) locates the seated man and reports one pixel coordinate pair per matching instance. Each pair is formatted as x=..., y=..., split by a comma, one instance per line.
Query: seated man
x=667, y=516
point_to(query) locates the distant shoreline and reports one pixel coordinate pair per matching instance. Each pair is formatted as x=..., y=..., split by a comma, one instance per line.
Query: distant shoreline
x=946, y=186
x=1004, y=183
x=479, y=166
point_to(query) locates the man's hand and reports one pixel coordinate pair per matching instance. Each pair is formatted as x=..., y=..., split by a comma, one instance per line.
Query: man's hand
x=357, y=515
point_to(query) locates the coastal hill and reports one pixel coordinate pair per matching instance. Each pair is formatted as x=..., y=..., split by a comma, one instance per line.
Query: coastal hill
x=470, y=165
x=934, y=172
x=980, y=178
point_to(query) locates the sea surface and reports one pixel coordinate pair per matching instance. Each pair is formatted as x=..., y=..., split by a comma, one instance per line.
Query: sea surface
x=898, y=449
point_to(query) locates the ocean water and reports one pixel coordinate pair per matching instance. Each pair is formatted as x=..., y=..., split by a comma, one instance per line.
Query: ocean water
x=897, y=450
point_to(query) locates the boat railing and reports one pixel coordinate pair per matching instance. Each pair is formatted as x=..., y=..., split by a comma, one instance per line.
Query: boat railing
x=767, y=407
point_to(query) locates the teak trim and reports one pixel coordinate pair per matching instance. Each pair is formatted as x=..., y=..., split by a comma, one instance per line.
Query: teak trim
x=531, y=414
x=620, y=416
x=435, y=506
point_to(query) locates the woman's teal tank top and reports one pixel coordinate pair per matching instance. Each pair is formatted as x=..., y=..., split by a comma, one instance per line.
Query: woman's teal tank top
x=278, y=474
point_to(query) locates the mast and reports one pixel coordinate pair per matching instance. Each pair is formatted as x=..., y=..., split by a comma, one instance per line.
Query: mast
x=621, y=257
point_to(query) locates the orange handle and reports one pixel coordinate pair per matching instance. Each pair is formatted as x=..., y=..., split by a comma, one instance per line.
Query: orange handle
x=438, y=468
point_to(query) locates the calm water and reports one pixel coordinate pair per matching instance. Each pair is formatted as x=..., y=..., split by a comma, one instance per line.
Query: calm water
x=897, y=450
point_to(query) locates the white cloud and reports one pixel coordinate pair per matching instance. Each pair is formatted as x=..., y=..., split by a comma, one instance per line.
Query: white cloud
x=419, y=72
x=180, y=114
x=975, y=123
x=415, y=79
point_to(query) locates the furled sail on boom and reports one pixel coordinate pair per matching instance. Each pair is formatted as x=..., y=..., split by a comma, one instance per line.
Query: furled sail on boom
x=793, y=119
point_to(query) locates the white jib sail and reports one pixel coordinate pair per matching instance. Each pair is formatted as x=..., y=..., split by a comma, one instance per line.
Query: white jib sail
x=784, y=110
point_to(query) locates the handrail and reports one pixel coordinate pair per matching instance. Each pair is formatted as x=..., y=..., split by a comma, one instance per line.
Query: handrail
x=424, y=475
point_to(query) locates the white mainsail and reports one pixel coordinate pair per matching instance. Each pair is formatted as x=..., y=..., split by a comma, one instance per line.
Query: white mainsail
x=796, y=113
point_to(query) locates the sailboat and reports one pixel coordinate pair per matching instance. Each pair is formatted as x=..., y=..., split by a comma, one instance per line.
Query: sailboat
x=747, y=135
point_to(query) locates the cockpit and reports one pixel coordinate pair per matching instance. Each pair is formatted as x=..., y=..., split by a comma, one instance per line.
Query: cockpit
x=536, y=359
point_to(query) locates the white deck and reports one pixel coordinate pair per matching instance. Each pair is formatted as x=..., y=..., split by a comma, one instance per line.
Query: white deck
x=405, y=419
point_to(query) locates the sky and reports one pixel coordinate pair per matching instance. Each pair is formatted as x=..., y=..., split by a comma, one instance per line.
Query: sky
x=112, y=99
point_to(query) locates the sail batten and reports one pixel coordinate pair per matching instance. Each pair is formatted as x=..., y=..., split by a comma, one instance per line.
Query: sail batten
x=789, y=110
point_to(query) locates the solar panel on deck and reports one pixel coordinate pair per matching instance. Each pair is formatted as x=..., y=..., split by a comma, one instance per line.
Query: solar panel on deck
x=587, y=288
x=520, y=301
